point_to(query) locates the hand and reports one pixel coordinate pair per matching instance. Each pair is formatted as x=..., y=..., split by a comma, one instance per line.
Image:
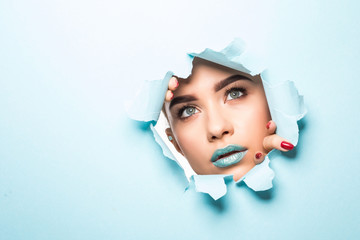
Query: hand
x=273, y=141
x=173, y=84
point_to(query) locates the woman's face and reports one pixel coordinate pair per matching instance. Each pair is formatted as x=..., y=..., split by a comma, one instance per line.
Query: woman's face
x=218, y=119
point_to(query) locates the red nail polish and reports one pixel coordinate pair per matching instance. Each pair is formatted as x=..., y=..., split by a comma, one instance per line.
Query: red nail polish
x=287, y=145
x=268, y=125
x=172, y=95
x=258, y=155
x=177, y=83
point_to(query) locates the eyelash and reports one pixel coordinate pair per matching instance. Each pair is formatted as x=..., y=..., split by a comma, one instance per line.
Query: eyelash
x=181, y=111
x=240, y=89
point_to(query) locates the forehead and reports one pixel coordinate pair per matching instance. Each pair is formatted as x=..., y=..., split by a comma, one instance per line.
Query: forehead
x=204, y=74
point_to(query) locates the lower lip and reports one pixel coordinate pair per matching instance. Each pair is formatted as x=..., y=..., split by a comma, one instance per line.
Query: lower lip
x=230, y=160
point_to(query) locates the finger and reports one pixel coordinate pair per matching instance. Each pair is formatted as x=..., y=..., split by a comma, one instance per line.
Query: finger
x=169, y=95
x=259, y=157
x=277, y=142
x=173, y=83
x=271, y=127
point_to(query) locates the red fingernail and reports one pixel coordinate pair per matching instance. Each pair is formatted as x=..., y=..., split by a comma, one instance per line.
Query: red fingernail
x=172, y=95
x=287, y=145
x=177, y=83
x=258, y=155
x=268, y=125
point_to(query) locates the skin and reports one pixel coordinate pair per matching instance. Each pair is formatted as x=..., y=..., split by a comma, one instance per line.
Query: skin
x=220, y=112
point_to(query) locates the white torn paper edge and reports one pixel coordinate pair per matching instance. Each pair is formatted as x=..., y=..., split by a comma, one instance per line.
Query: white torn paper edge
x=148, y=100
x=285, y=104
x=166, y=151
x=259, y=178
x=214, y=185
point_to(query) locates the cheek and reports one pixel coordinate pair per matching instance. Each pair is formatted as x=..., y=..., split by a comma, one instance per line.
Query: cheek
x=192, y=142
x=250, y=123
x=185, y=136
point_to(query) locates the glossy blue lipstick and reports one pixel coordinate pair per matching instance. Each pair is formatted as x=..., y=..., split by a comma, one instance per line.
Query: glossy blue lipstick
x=229, y=155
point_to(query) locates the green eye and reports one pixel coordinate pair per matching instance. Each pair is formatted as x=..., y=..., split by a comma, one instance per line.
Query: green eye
x=188, y=111
x=234, y=94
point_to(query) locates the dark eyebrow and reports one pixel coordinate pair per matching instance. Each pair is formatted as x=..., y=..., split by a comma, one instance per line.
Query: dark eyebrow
x=223, y=83
x=181, y=99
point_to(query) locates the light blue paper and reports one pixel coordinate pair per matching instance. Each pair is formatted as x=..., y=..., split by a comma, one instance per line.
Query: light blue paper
x=285, y=104
x=214, y=185
x=148, y=101
x=166, y=151
x=229, y=56
x=260, y=177
x=286, y=107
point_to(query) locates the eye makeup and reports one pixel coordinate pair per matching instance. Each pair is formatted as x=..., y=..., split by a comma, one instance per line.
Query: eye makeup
x=235, y=89
x=235, y=93
x=188, y=109
x=227, y=81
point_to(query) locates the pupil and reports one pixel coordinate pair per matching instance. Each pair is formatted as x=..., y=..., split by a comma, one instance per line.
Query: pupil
x=234, y=94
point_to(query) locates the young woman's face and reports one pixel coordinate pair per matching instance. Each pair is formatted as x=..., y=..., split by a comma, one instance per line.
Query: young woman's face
x=218, y=119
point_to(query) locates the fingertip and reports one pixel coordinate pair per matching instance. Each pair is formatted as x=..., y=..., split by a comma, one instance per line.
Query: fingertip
x=271, y=127
x=259, y=157
x=169, y=96
x=173, y=83
x=286, y=146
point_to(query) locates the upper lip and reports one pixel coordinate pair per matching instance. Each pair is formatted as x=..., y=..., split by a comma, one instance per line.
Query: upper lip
x=226, y=151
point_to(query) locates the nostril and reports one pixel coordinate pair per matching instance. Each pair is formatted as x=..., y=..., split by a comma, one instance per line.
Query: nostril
x=216, y=137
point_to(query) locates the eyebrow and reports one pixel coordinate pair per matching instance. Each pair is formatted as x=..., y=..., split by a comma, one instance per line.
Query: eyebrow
x=223, y=83
x=181, y=99
x=220, y=85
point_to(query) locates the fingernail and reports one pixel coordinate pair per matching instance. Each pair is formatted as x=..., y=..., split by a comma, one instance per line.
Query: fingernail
x=177, y=83
x=287, y=145
x=172, y=95
x=258, y=155
x=268, y=125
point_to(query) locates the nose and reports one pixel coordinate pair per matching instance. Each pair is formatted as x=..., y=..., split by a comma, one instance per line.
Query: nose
x=218, y=125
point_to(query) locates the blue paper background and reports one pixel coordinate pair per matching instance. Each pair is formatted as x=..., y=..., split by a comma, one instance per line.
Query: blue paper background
x=72, y=166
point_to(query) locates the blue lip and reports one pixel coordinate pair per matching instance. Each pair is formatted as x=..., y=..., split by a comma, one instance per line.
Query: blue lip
x=239, y=153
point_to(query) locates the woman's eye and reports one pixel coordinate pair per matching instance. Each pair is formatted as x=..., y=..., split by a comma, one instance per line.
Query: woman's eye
x=188, y=111
x=234, y=94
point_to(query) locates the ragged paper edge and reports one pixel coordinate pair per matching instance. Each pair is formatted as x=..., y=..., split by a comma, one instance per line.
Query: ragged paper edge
x=147, y=103
x=285, y=104
x=214, y=185
x=259, y=178
x=165, y=150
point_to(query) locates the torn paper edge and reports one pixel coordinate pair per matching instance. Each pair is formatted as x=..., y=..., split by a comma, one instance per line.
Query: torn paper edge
x=286, y=114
